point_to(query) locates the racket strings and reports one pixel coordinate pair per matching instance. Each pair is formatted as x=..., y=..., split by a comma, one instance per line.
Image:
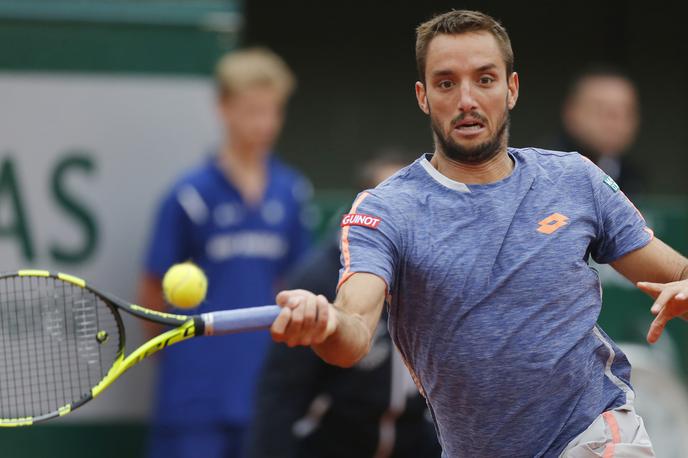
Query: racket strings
x=59, y=340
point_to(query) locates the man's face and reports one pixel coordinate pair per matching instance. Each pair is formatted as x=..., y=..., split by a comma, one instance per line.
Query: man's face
x=253, y=117
x=468, y=95
x=603, y=115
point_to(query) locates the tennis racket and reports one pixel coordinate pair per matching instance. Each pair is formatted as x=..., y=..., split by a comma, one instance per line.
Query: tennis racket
x=62, y=341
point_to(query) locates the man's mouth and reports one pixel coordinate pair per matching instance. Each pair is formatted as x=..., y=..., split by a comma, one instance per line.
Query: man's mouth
x=469, y=126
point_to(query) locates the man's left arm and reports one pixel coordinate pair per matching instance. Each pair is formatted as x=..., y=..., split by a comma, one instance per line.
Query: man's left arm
x=658, y=270
x=624, y=241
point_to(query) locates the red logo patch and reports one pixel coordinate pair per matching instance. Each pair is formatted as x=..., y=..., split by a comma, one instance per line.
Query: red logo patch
x=356, y=219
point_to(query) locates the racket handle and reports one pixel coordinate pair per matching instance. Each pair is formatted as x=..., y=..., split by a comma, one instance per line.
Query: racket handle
x=239, y=320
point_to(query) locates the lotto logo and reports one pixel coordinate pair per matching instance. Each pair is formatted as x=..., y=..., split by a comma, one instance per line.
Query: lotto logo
x=553, y=222
x=355, y=219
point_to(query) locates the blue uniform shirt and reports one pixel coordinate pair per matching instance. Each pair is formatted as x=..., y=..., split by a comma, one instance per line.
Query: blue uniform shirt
x=243, y=251
x=493, y=304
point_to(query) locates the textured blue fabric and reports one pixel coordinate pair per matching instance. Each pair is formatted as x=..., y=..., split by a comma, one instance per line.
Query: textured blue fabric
x=243, y=250
x=493, y=302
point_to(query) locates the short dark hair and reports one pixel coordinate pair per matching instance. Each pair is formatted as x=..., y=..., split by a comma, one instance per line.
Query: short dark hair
x=457, y=22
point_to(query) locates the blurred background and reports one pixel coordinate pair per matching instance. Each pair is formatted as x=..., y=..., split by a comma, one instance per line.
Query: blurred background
x=103, y=103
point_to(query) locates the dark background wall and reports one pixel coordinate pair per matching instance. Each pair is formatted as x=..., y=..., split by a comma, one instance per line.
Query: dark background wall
x=356, y=69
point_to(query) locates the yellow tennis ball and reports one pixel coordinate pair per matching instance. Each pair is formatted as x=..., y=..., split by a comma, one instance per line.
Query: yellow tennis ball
x=184, y=285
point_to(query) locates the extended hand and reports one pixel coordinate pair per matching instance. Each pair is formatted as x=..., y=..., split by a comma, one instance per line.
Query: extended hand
x=305, y=318
x=671, y=300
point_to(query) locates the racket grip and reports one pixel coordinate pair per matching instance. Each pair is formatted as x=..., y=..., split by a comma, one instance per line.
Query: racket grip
x=239, y=320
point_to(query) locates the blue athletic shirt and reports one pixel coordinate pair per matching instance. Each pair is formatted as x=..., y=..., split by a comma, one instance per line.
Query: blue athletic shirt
x=243, y=250
x=492, y=302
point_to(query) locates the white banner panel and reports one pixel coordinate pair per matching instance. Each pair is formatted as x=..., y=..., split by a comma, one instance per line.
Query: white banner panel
x=83, y=162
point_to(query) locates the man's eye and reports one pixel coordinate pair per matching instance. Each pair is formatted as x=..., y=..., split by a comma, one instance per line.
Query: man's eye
x=446, y=84
x=486, y=79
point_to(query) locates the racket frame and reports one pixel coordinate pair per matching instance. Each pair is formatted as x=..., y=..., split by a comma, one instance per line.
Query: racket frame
x=186, y=327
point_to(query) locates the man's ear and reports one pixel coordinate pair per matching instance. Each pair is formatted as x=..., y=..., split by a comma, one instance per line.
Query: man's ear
x=422, y=97
x=512, y=96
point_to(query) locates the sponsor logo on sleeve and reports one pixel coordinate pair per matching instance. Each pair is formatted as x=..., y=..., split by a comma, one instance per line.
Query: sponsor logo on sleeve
x=356, y=219
x=609, y=181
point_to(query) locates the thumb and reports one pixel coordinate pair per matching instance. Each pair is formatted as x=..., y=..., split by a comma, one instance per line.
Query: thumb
x=331, y=315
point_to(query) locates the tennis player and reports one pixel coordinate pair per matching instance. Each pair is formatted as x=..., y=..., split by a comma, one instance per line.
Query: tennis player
x=238, y=215
x=482, y=252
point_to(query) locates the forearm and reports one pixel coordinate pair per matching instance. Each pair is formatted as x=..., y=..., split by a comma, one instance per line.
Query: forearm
x=684, y=272
x=340, y=334
x=349, y=343
x=656, y=262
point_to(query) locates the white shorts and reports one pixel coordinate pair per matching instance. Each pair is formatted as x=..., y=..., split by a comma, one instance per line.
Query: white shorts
x=618, y=433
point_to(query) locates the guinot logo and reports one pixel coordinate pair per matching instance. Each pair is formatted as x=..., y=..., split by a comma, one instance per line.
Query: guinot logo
x=357, y=219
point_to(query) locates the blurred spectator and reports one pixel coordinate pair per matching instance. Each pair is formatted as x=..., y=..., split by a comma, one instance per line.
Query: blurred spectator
x=309, y=409
x=238, y=215
x=600, y=119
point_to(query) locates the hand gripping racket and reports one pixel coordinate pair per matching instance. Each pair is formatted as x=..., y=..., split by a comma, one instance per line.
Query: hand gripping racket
x=62, y=342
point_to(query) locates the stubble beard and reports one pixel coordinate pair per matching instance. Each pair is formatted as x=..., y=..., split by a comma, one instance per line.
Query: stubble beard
x=478, y=154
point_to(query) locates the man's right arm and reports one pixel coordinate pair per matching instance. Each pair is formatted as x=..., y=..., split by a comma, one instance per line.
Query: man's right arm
x=340, y=333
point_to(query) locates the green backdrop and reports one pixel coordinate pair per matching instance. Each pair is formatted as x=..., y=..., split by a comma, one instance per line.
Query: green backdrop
x=156, y=36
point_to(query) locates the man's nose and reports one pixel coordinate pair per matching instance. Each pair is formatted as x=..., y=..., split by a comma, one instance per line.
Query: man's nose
x=467, y=102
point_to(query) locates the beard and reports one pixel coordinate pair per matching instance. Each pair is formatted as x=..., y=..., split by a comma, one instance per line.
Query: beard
x=477, y=154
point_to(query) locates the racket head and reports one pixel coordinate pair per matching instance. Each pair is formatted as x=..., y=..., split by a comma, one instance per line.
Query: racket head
x=60, y=339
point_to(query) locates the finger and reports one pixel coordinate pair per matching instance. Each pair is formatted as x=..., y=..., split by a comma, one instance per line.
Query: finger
x=280, y=324
x=652, y=289
x=651, y=286
x=296, y=323
x=657, y=326
x=663, y=299
x=309, y=316
x=331, y=322
x=678, y=304
x=283, y=297
x=290, y=298
x=323, y=307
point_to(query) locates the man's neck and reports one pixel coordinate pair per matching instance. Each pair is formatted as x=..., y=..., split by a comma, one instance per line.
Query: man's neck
x=242, y=158
x=246, y=170
x=493, y=170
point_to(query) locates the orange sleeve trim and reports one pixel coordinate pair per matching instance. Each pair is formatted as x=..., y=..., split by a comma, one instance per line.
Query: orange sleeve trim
x=616, y=435
x=345, y=242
